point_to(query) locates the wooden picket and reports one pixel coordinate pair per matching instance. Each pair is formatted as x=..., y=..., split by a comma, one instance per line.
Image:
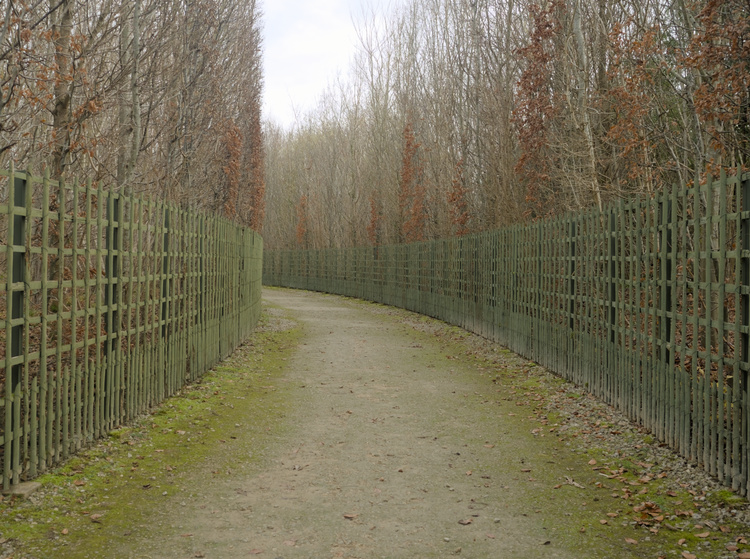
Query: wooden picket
x=646, y=304
x=110, y=304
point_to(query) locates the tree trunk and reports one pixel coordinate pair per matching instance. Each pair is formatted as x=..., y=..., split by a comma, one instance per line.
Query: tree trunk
x=63, y=88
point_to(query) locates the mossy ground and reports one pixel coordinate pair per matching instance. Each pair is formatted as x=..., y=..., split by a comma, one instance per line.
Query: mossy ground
x=558, y=475
x=219, y=424
x=606, y=498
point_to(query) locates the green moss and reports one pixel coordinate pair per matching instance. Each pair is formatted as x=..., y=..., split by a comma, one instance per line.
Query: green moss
x=142, y=466
x=726, y=498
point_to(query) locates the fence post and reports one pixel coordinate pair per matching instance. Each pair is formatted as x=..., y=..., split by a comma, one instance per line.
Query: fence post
x=612, y=273
x=744, y=335
x=572, y=274
x=745, y=273
x=165, y=276
x=666, y=274
x=111, y=273
x=16, y=262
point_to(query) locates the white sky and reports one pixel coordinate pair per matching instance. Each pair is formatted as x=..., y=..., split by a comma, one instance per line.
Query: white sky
x=306, y=43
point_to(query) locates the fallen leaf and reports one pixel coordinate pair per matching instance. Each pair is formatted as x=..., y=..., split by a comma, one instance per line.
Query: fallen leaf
x=466, y=521
x=592, y=462
x=79, y=482
x=725, y=529
x=703, y=535
x=64, y=531
x=491, y=536
x=489, y=446
x=602, y=522
x=290, y=543
x=256, y=551
x=351, y=516
x=631, y=541
x=744, y=555
x=186, y=535
x=732, y=547
x=95, y=517
x=688, y=555
x=612, y=514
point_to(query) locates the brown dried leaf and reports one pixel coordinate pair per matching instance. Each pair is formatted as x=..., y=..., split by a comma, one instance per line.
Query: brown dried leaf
x=631, y=541
x=466, y=521
x=688, y=555
x=703, y=535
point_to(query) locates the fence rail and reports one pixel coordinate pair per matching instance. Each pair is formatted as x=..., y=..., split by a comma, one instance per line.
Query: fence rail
x=646, y=304
x=110, y=304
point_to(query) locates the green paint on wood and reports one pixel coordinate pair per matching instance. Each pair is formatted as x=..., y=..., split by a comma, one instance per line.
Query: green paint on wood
x=107, y=308
x=645, y=304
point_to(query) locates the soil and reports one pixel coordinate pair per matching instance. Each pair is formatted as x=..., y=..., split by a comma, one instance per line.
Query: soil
x=387, y=434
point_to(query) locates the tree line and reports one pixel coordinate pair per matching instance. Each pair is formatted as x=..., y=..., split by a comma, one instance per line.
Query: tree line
x=158, y=98
x=465, y=115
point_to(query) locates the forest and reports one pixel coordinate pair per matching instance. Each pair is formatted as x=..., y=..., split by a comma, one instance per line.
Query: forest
x=461, y=116
x=156, y=98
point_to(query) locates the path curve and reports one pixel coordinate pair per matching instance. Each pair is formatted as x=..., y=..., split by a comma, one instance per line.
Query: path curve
x=399, y=446
x=386, y=459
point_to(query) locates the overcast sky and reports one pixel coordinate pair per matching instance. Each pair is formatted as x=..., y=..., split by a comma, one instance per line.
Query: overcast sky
x=306, y=43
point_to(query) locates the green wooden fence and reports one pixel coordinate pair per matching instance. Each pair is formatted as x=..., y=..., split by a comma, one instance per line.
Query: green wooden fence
x=645, y=304
x=110, y=305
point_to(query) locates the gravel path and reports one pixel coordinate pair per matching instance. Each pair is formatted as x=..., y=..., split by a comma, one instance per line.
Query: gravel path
x=407, y=438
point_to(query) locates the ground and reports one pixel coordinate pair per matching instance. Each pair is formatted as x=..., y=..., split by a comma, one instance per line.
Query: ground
x=348, y=429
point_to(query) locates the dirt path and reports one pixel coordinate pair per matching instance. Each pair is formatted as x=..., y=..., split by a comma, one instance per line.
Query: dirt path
x=380, y=434
x=391, y=454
